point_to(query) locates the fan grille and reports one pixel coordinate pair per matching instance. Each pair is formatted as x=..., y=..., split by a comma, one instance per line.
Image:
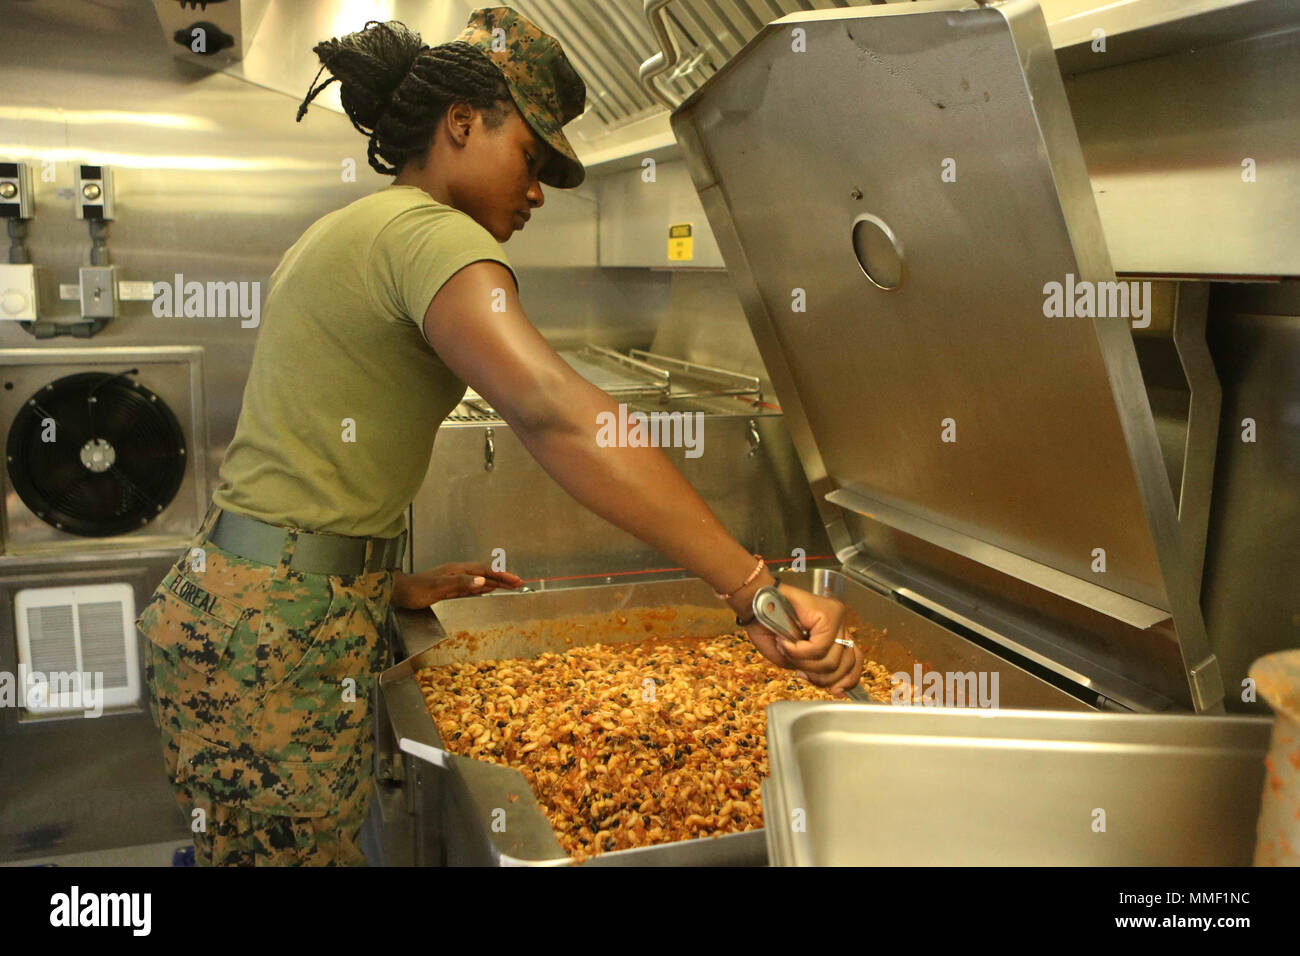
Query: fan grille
x=96, y=454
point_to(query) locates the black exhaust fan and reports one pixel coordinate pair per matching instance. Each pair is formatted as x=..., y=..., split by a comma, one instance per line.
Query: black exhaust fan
x=95, y=454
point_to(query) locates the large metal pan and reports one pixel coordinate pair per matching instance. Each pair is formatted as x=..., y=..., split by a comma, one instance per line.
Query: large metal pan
x=475, y=812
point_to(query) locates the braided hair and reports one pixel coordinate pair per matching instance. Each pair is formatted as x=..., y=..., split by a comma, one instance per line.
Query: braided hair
x=396, y=89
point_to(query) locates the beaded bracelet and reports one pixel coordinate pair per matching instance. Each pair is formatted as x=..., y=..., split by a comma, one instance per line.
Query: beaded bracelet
x=752, y=574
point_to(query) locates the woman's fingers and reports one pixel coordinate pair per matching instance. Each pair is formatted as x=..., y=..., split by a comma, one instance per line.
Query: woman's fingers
x=766, y=642
x=852, y=676
x=823, y=620
x=832, y=669
x=471, y=583
x=801, y=660
x=501, y=578
x=479, y=569
x=820, y=659
x=848, y=674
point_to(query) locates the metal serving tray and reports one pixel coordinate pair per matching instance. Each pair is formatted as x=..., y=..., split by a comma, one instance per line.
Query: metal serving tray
x=919, y=786
x=461, y=797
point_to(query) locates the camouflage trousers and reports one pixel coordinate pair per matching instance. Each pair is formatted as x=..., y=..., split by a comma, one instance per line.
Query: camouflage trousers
x=260, y=680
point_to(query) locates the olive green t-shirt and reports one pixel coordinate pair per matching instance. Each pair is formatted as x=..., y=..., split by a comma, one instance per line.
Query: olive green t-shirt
x=345, y=394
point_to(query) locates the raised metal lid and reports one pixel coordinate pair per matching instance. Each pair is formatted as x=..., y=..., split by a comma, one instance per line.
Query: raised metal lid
x=893, y=189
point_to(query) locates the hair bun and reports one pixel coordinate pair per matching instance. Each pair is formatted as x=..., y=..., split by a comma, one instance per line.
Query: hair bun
x=369, y=65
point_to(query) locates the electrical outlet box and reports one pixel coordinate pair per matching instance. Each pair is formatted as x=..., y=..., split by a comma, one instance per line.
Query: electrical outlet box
x=98, y=292
x=19, y=292
x=94, y=194
x=16, y=191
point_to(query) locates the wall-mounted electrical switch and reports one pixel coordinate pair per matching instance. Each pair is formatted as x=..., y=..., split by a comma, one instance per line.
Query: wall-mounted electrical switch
x=98, y=292
x=18, y=292
x=16, y=191
x=94, y=194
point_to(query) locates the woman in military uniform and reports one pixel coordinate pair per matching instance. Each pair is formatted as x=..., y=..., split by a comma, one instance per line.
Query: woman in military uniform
x=265, y=637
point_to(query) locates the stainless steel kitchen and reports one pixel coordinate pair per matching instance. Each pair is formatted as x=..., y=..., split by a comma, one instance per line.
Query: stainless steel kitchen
x=883, y=451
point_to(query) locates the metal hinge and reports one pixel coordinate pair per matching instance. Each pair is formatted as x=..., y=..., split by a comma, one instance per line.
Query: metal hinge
x=1206, y=683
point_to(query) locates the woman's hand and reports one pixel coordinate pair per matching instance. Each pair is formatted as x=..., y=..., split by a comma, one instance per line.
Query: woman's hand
x=458, y=579
x=819, y=660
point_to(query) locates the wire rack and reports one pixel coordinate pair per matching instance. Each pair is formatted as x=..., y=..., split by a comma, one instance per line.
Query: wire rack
x=641, y=378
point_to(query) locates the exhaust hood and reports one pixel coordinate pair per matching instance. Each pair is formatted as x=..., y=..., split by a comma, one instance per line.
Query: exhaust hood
x=613, y=44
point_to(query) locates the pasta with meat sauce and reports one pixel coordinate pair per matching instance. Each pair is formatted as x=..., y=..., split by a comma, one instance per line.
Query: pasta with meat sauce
x=628, y=745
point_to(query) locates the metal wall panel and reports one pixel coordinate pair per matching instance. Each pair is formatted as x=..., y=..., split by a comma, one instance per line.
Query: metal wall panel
x=1165, y=141
x=635, y=216
x=464, y=511
x=1253, y=555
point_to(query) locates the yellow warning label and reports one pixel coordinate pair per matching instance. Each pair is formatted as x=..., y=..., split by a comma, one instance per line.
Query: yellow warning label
x=680, y=243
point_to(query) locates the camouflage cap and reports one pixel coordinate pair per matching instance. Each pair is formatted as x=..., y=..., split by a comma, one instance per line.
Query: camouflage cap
x=542, y=82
